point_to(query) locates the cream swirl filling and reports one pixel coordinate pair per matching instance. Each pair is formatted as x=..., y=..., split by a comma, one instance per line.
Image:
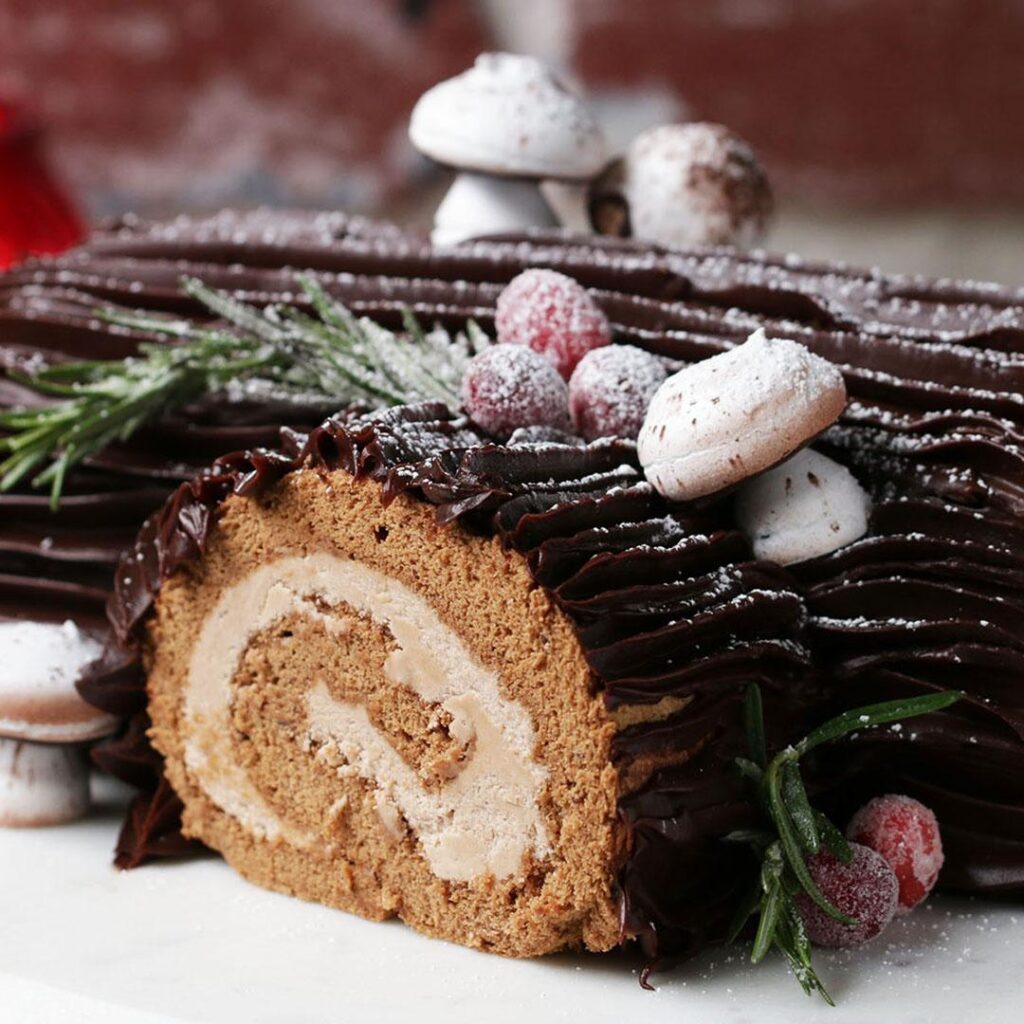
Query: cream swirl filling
x=483, y=821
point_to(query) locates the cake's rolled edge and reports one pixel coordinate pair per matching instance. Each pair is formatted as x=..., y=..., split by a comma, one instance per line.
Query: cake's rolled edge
x=451, y=766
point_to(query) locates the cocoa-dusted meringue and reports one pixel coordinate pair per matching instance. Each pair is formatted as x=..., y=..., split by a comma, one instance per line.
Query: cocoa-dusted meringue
x=44, y=723
x=720, y=421
x=683, y=185
x=806, y=507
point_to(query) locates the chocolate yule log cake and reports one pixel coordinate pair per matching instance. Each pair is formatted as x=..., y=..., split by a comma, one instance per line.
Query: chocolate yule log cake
x=494, y=684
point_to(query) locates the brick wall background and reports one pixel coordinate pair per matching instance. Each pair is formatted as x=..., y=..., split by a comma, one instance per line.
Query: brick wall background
x=868, y=113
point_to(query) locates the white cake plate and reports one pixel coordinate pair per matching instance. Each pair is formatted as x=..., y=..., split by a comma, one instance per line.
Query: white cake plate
x=83, y=943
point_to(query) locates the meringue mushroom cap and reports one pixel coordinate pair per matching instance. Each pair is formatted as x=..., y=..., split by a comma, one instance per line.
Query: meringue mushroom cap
x=38, y=700
x=481, y=204
x=508, y=115
x=721, y=420
x=804, y=508
x=683, y=185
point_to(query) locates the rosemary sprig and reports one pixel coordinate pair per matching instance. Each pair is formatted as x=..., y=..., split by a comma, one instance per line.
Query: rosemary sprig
x=794, y=830
x=329, y=357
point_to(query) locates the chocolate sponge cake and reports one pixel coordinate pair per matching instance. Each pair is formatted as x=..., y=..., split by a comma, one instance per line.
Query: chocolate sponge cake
x=660, y=612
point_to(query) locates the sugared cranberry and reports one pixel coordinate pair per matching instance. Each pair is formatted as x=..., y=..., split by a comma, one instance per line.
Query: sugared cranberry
x=865, y=889
x=552, y=314
x=610, y=389
x=906, y=834
x=507, y=387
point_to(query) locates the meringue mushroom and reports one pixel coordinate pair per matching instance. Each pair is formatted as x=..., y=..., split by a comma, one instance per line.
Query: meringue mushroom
x=804, y=508
x=481, y=204
x=684, y=185
x=506, y=124
x=44, y=723
x=719, y=421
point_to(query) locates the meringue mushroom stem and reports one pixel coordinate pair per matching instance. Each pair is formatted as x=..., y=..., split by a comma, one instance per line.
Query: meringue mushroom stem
x=42, y=783
x=485, y=204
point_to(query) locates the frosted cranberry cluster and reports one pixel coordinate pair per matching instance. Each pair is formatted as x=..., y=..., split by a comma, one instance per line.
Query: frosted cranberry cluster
x=897, y=854
x=555, y=365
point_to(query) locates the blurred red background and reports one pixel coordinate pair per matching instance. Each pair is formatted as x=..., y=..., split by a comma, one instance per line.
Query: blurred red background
x=868, y=113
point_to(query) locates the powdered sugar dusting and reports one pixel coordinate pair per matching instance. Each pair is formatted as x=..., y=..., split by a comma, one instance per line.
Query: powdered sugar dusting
x=43, y=658
x=508, y=114
x=865, y=889
x=508, y=387
x=906, y=834
x=610, y=390
x=552, y=314
x=692, y=184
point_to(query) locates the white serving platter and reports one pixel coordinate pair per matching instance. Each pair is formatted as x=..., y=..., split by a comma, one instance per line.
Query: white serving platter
x=191, y=941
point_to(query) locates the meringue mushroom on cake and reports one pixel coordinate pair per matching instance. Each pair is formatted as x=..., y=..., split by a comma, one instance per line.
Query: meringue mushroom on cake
x=505, y=124
x=44, y=724
x=499, y=204
x=682, y=185
x=727, y=418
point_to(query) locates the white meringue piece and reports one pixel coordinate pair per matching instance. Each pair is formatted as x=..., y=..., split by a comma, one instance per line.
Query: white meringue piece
x=717, y=422
x=805, y=507
x=41, y=662
x=41, y=784
x=481, y=204
x=508, y=115
x=684, y=185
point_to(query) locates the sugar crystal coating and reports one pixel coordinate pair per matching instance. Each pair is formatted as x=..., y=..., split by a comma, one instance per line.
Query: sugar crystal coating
x=865, y=889
x=507, y=387
x=610, y=389
x=906, y=834
x=552, y=314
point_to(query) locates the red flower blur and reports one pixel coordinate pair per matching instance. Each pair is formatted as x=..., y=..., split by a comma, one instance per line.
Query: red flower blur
x=35, y=216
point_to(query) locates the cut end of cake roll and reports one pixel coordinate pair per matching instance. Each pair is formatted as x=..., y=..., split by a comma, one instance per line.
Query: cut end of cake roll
x=363, y=708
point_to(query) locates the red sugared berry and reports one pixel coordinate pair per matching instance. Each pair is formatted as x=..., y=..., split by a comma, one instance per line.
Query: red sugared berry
x=865, y=889
x=507, y=387
x=552, y=314
x=610, y=389
x=906, y=834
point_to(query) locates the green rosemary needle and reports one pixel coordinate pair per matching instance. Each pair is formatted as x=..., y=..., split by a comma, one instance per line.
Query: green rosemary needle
x=328, y=357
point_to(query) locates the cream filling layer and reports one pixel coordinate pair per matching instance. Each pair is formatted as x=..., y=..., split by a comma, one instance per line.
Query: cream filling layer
x=487, y=817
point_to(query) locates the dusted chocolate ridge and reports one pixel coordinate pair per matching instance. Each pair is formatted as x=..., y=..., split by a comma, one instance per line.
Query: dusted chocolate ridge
x=934, y=429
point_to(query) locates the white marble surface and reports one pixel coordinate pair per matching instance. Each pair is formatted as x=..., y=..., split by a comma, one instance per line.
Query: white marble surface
x=81, y=942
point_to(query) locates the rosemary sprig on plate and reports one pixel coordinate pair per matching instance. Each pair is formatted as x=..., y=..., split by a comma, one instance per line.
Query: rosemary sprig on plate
x=794, y=830
x=328, y=356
